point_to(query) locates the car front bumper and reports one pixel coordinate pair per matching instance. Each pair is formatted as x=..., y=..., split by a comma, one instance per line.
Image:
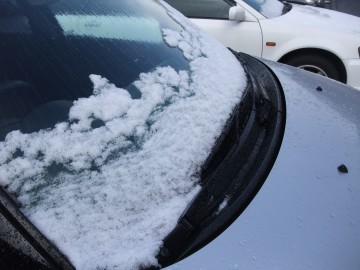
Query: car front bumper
x=353, y=72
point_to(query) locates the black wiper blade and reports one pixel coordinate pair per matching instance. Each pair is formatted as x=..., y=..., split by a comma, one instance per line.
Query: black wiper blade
x=217, y=184
x=238, y=166
x=263, y=101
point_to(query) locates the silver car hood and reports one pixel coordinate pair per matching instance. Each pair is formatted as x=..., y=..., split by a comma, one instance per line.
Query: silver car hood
x=307, y=214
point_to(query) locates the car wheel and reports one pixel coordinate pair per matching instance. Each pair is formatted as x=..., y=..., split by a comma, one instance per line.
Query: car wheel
x=315, y=63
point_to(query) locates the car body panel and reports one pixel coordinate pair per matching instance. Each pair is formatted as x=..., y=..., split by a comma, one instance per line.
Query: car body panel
x=307, y=214
x=303, y=27
x=302, y=33
x=248, y=29
x=353, y=71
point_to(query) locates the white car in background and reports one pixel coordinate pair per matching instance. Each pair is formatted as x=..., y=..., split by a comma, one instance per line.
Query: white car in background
x=315, y=39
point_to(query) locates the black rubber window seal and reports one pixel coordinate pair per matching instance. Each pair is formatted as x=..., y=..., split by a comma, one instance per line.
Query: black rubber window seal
x=10, y=210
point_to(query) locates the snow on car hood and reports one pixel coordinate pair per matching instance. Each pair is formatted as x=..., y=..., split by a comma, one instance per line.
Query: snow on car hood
x=107, y=194
x=319, y=18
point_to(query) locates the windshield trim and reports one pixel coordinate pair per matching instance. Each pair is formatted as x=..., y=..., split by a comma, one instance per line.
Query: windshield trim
x=10, y=210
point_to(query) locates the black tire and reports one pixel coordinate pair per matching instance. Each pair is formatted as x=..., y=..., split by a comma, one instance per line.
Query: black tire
x=315, y=63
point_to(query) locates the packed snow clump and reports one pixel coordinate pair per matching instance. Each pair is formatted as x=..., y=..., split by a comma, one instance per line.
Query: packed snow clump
x=108, y=194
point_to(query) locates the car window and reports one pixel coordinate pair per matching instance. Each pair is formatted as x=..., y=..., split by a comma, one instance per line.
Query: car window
x=268, y=8
x=214, y=9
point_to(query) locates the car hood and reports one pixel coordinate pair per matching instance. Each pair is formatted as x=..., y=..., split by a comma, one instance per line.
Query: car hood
x=323, y=19
x=306, y=216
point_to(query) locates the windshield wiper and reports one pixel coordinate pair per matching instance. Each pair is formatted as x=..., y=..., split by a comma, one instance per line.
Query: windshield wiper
x=263, y=102
x=238, y=166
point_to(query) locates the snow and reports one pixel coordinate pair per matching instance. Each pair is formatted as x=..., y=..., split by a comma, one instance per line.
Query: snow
x=271, y=8
x=308, y=16
x=323, y=19
x=108, y=195
x=268, y=8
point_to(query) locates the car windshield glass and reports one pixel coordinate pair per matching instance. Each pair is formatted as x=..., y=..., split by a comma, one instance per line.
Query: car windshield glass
x=268, y=8
x=108, y=109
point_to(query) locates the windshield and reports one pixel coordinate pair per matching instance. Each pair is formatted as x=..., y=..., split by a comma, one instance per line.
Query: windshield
x=108, y=110
x=268, y=8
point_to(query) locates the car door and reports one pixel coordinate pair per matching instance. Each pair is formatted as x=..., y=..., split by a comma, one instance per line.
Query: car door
x=213, y=17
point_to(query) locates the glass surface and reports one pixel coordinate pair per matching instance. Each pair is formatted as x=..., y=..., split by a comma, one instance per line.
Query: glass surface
x=214, y=9
x=49, y=48
x=268, y=8
x=108, y=109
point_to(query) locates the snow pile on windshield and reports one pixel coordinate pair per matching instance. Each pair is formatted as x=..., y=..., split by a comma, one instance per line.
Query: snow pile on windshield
x=107, y=194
